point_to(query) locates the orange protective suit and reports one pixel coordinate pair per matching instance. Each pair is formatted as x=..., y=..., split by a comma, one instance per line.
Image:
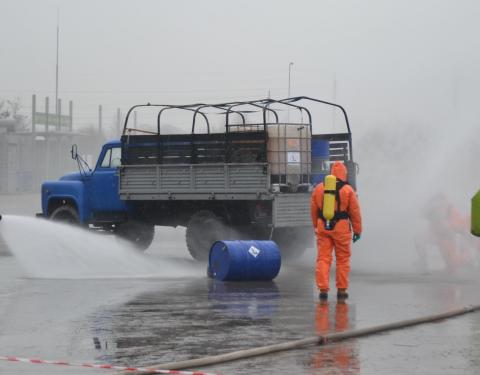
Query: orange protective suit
x=447, y=230
x=340, y=237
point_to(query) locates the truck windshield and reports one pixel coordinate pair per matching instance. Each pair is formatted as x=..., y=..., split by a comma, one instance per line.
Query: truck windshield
x=112, y=158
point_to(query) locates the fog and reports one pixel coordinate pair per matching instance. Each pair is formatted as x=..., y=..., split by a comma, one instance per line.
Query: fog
x=392, y=61
x=407, y=73
x=401, y=169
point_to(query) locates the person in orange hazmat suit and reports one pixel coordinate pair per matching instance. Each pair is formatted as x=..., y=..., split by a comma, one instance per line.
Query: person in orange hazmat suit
x=448, y=231
x=339, y=235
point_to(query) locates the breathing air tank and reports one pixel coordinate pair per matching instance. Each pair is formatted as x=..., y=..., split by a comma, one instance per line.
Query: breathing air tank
x=475, y=215
x=330, y=184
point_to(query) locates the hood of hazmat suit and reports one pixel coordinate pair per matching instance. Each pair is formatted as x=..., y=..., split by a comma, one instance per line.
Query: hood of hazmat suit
x=339, y=171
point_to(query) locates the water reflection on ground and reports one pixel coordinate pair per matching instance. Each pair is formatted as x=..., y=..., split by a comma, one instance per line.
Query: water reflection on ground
x=336, y=317
x=141, y=322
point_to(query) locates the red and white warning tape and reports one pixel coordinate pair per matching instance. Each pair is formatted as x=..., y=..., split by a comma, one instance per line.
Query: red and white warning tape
x=101, y=366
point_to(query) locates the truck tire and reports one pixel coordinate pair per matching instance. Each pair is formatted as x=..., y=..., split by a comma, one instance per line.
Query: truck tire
x=66, y=214
x=203, y=229
x=138, y=233
x=293, y=241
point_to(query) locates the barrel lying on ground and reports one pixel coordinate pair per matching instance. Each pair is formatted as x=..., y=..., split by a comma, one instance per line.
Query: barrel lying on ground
x=244, y=260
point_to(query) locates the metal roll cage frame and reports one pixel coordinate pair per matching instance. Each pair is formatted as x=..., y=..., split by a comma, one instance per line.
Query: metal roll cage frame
x=263, y=104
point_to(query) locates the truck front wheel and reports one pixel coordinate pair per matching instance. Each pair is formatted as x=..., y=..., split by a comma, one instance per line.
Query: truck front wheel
x=66, y=214
x=138, y=233
x=203, y=229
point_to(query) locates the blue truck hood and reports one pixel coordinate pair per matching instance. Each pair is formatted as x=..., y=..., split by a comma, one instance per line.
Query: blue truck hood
x=76, y=176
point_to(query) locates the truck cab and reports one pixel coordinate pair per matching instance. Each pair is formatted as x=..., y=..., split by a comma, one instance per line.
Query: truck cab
x=90, y=198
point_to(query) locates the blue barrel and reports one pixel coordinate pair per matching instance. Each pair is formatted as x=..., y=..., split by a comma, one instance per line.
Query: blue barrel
x=320, y=158
x=244, y=260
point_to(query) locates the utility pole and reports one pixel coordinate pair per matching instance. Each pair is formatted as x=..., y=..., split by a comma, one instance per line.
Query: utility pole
x=289, y=75
x=56, y=70
x=59, y=114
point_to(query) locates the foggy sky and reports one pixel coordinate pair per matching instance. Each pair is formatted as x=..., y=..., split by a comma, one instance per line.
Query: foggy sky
x=392, y=60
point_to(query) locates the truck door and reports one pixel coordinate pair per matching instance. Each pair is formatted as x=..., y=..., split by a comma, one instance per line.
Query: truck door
x=104, y=183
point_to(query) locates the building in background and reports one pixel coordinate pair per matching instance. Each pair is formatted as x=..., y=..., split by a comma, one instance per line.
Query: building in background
x=38, y=150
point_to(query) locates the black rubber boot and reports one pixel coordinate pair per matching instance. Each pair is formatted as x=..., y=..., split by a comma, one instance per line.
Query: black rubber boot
x=342, y=294
x=323, y=296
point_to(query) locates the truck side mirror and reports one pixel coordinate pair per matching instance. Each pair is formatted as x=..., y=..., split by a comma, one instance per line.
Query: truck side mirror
x=74, y=152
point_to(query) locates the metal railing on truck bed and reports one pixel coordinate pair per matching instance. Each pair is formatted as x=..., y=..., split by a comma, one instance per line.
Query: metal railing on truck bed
x=234, y=147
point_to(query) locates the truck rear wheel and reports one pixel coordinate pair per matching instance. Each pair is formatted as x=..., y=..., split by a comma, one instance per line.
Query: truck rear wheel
x=66, y=214
x=203, y=229
x=138, y=233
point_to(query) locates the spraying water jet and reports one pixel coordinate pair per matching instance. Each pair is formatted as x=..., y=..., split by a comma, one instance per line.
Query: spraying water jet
x=59, y=251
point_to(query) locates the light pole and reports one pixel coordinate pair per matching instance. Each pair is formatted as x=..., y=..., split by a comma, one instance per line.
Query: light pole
x=56, y=69
x=289, y=76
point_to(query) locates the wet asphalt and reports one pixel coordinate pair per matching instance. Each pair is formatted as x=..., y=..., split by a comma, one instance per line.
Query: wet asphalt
x=146, y=321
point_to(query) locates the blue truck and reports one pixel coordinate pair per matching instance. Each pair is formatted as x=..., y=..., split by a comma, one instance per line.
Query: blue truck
x=249, y=179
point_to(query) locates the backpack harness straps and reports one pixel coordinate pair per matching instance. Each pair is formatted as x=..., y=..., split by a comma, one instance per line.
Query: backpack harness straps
x=339, y=215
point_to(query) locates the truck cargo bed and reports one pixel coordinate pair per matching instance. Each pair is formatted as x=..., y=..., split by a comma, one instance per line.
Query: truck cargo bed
x=194, y=181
